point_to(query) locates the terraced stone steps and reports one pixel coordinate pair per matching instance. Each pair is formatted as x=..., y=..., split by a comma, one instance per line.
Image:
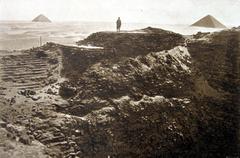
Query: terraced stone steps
x=16, y=74
x=23, y=71
x=30, y=78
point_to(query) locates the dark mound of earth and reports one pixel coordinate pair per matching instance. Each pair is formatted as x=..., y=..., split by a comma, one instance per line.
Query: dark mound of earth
x=147, y=94
x=134, y=43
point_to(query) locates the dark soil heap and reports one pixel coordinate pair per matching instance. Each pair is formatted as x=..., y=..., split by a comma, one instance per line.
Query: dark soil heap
x=134, y=43
x=145, y=103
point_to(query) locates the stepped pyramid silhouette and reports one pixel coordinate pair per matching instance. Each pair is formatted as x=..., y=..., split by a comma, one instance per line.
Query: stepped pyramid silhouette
x=41, y=18
x=209, y=21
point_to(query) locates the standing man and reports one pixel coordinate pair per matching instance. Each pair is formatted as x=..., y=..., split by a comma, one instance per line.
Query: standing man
x=119, y=23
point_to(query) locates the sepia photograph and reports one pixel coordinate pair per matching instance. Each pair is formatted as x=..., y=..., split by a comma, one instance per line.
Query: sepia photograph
x=119, y=78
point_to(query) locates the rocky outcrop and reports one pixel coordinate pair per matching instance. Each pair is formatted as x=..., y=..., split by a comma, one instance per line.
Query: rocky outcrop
x=119, y=96
x=217, y=62
x=135, y=43
x=117, y=46
x=218, y=59
x=156, y=73
x=145, y=93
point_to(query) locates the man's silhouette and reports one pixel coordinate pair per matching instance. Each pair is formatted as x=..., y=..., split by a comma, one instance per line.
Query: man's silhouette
x=119, y=23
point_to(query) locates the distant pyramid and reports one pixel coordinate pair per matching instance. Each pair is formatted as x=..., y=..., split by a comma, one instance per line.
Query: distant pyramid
x=41, y=18
x=209, y=21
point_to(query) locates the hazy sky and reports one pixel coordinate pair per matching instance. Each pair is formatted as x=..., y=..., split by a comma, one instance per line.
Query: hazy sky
x=144, y=11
